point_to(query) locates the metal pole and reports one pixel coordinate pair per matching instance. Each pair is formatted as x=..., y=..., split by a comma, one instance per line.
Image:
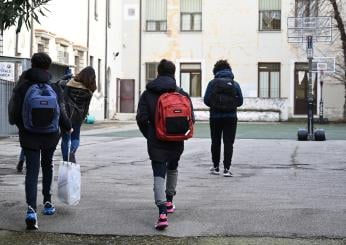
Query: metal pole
x=310, y=95
x=321, y=99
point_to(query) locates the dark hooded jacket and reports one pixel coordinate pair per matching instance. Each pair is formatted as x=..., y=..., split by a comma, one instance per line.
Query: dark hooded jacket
x=220, y=77
x=28, y=139
x=161, y=151
x=77, y=99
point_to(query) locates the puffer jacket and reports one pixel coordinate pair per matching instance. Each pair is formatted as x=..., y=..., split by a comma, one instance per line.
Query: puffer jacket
x=77, y=100
x=161, y=151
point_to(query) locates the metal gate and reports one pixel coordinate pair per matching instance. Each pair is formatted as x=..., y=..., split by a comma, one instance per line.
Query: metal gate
x=10, y=70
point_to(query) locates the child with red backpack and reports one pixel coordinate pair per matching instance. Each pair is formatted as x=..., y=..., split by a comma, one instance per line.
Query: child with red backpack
x=165, y=118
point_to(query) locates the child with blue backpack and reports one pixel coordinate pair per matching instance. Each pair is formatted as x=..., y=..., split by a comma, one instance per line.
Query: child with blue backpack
x=38, y=111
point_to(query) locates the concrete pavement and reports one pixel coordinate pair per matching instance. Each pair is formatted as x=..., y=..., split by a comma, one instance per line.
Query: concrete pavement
x=281, y=188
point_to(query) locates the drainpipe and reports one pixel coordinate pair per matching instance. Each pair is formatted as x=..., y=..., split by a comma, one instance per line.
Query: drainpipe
x=140, y=50
x=88, y=31
x=106, y=64
x=31, y=36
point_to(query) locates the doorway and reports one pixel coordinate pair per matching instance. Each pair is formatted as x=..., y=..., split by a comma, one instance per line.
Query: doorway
x=301, y=74
x=126, y=95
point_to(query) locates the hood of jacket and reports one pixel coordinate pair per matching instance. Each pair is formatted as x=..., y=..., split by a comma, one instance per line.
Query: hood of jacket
x=226, y=73
x=162, y=84
x=38, y=75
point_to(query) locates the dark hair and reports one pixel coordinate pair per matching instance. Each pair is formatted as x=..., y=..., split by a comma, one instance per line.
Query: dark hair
x=166, y=67
x=221, y=65
x=87, y=77
x=41, y=60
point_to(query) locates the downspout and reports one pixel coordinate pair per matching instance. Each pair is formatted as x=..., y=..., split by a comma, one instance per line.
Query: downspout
x=140, y=50
x=31, y=36
x=106, y=64
x=88, y=31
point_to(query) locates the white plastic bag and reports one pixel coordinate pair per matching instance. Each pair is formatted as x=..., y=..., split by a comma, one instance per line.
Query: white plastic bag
x=69, y=183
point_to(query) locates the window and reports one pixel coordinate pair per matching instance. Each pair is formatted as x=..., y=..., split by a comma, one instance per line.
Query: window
x=269, y=80
x=99, y=75
x=190, y=78
x=191, y=15
x=269, y=15
x=43, y=45
x=91, y=61
x=63, y=55
x=156, y=15
x=150, y=71
x=79, y=61
x=306, y=8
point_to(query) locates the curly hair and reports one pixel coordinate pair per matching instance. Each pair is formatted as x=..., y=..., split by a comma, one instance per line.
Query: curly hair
x=87, y=77
x=221, y=65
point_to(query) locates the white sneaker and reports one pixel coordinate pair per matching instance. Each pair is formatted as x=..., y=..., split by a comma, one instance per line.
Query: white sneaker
x=227, y=173
x=215, y=171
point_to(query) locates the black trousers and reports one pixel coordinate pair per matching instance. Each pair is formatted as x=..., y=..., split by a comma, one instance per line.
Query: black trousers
x=225, y=127
x=33, y=159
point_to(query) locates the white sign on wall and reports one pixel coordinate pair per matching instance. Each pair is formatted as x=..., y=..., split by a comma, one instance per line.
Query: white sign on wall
x=7, y=71
x=131, y=12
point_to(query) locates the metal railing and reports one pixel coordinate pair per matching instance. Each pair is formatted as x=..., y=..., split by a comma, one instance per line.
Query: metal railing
x=6, y=88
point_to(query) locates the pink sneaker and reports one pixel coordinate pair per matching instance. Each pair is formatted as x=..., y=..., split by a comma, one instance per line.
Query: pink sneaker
x=162, y=223
x=170, y=207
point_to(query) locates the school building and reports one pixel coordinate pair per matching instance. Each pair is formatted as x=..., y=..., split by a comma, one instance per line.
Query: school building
x=125, y=39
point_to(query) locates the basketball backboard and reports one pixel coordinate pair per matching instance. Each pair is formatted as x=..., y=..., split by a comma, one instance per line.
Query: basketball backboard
x=299, y=28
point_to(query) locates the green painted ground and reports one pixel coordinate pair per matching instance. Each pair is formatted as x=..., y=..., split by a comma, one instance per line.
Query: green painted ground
x=256, y=131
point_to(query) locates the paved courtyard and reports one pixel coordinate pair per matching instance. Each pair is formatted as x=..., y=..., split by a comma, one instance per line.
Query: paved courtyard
x=282, y=188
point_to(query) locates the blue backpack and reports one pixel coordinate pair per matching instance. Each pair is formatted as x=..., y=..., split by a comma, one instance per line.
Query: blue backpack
x=41, y=109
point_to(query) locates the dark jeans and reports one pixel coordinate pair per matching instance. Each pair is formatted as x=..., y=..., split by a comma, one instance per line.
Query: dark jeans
x=225, y=127
x=70, y=141
x=32, y=171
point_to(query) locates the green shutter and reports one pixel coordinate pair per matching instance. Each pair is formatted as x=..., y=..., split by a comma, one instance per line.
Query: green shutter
x=156, y=10
x=191, y=6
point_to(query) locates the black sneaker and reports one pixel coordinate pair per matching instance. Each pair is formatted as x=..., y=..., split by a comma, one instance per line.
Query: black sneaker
x=31, y=219
x=227, y=173
x=214, y=171
x=20, y=166
x=72, y=157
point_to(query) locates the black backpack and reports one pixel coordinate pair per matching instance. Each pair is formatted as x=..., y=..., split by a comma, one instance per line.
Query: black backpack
x=223, y=97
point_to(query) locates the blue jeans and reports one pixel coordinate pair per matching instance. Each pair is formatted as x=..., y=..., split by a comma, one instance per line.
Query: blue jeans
x=70, y=141
x=22, y=155
x=32, y=171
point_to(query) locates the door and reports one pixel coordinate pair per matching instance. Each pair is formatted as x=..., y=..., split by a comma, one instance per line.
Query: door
x=301, y=74
x=126, y=90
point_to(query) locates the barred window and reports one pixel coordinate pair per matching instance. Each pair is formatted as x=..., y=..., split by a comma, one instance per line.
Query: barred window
x=156, y=15
x=269, y=15
x=306, y=8
x=191, y=15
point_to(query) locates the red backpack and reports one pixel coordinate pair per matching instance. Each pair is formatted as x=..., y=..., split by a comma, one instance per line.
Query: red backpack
x=173, y=117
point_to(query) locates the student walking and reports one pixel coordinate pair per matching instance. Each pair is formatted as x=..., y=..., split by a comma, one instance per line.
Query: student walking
x=164, y=155
x=37, y=109
x=78, y=92
x=223, y=95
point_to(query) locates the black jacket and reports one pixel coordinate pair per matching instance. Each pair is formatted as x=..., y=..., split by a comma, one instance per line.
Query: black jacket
x=28, y=139
x=161, y=151
x=77, y=101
